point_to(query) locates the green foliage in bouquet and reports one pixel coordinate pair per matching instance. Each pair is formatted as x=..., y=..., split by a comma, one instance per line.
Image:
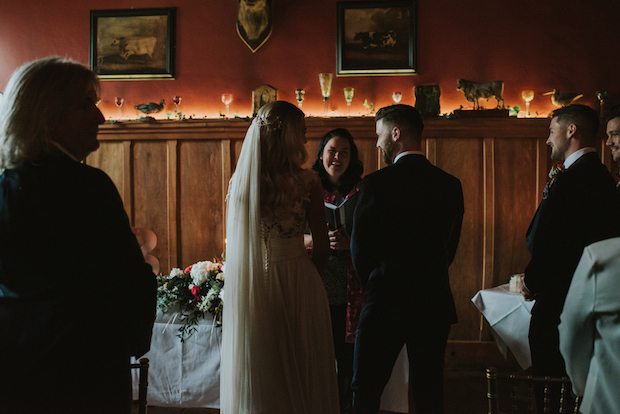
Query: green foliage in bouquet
x=194, y=292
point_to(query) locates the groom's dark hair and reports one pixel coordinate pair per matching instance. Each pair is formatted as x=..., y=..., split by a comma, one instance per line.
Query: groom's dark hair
x=403, y=116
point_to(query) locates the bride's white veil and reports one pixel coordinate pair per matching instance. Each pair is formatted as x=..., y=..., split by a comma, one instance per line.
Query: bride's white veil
x=244, y=263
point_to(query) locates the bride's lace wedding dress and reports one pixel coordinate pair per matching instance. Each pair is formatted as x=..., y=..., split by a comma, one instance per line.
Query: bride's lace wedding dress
x=277, y=349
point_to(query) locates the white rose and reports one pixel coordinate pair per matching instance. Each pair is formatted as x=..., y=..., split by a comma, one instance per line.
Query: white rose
x=220, y=276
x=176, y=272
x=199, y=272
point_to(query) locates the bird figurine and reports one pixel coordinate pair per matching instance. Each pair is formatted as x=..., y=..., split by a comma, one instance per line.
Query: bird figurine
x=150, y=107
x=563, y=99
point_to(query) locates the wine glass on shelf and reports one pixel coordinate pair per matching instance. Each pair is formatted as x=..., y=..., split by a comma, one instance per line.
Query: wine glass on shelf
x=397, y=96
x=300, y=94
x=119, y=102
x=348, y=96
x=326, y=86
x=177, y=101
x=528, y=96
x=227, y=99
x=601, y=96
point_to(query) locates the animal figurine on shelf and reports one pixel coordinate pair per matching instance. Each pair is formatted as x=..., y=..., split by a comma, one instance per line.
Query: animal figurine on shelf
x=473, y=91
x=150, y=107
x=563, y=99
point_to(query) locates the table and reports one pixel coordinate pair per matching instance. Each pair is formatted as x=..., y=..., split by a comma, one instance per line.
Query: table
x=187, y=374
x=509, y=316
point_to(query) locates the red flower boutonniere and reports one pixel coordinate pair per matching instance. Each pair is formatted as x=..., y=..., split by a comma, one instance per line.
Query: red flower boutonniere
x=555, y=172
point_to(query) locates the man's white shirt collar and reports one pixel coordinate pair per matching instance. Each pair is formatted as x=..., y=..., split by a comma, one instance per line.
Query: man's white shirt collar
x=402, y=154
x=576, y=155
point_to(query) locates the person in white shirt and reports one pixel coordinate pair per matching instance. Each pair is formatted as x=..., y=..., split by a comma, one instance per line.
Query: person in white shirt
x=590, y=328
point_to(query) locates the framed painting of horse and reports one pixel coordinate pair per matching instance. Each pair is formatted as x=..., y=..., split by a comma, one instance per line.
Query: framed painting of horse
x=377, y=38
x=132, y=44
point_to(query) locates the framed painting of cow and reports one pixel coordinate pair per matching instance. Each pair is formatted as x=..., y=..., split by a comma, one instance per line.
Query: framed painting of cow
x=377, y=38
x=133, y=44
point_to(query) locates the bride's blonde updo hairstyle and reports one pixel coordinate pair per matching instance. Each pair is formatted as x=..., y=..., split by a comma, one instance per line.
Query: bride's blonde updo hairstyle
x=283, y=152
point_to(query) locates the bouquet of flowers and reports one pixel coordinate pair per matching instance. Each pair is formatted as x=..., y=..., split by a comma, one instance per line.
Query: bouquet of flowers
x=195, y=291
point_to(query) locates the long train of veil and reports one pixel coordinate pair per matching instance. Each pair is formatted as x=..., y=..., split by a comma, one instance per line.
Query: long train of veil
x=244, y=263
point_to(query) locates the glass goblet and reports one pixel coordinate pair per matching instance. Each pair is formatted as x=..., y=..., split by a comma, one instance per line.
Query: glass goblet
x=119, y=102
x=177, y=101
x=348, y=96
x=325, y=80
x=227, y=99
x=397, y=96
x=601, y=96
x=299, y=96
x=528, y=96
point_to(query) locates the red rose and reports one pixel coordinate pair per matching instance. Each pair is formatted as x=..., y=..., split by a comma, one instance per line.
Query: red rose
x=195, y=290
x=188, y=269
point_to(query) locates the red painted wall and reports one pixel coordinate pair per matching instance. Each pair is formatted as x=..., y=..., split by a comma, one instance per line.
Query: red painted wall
x=530, y=44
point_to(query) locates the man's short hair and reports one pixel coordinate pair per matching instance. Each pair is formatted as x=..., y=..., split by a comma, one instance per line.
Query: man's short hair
x=403, y=116
x=612, y=113
x=583, y=116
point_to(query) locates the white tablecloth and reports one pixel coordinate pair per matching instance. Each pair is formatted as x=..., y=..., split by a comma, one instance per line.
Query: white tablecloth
x=188, y=374
x=509, y=316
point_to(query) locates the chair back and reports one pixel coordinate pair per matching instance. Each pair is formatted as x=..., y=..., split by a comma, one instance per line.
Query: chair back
x=522, y=398
x=139, y=404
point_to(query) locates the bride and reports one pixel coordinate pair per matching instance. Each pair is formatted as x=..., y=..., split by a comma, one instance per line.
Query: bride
x=277, y=350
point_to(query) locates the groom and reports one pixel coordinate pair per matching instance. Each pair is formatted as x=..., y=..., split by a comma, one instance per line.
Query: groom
x=406, y=230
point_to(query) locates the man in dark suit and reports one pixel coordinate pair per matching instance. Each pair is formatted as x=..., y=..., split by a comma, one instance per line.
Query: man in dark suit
x=406, y=230
x=76, y=296
x=580, y=206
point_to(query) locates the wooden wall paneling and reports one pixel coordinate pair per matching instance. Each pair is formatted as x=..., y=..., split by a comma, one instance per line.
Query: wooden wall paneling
x=172, y=195
x=516, y=194
x=200, y=203
x=150, y=195
x=127, y=180
x=112, y=159
x=463, y=159
x=488, y=160
x=226, y=174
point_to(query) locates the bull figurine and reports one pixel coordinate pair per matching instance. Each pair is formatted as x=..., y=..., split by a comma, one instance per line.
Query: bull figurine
x=473, y=91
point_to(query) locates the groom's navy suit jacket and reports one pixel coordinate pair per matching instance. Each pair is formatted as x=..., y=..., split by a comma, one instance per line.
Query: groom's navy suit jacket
x=582, y=207
x=406, y=230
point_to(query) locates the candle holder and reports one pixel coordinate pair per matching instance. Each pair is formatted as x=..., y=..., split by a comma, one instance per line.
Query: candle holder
x=325, y=80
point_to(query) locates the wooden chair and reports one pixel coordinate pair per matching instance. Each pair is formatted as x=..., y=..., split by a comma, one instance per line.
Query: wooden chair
x=139, y=405
x=522, y=393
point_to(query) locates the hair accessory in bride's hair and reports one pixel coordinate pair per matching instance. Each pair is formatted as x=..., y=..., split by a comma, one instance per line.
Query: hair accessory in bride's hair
x=275, y=124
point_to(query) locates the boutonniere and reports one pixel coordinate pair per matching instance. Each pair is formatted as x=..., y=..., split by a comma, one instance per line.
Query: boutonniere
x=555, y=172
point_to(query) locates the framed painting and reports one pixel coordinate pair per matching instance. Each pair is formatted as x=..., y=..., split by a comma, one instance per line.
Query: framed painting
x=377, y=38
x=133, y=44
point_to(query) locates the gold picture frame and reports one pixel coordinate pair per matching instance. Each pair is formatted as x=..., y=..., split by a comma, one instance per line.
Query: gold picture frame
x=377, y=38
x=133, y=44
